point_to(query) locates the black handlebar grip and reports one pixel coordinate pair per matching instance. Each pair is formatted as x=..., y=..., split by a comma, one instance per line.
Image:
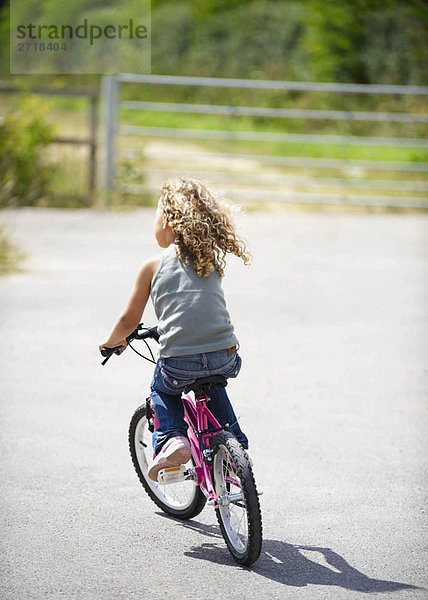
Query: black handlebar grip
x=109, y=351
x=151, y=332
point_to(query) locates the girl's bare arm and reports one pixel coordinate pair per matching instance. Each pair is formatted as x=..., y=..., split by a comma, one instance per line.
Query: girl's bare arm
x=133, y=312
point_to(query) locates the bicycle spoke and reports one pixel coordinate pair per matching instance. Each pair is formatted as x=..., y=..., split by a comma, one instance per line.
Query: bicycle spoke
x=234, y=514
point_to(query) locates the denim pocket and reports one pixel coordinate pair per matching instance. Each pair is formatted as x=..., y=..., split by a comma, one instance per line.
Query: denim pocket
x=228, y=366
x=174, y=383
x=232, y=368
x=178, y=372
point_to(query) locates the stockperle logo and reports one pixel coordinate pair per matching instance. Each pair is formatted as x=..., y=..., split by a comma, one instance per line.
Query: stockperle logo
x=94, y=39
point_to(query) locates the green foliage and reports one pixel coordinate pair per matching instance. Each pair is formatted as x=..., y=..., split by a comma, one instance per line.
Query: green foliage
x=204, y=10
x=366, y=41
x=255, y=40
x=172, y=38
x=396, y=45
x=10, y=256
x=130, y=173
x=24, y=136
x=4, y=40
x=360, y=41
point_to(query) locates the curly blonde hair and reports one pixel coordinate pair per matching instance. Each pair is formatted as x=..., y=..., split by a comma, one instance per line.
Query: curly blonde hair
x=203, y=226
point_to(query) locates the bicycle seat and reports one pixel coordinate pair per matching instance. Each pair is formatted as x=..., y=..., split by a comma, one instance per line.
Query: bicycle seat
x=201, y=386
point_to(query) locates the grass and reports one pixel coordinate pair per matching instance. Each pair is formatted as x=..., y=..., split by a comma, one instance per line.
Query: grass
x=313, y=150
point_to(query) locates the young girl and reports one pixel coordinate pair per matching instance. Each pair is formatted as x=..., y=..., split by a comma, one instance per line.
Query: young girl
x=196, y=336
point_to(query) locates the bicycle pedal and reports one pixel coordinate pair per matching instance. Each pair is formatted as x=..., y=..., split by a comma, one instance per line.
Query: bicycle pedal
x=173, y=474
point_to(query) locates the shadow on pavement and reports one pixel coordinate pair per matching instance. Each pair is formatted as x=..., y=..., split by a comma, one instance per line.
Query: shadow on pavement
x=295, y=565
x=290, y=564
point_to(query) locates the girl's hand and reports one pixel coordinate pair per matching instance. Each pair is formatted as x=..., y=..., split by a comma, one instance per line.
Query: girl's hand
x=122, y=343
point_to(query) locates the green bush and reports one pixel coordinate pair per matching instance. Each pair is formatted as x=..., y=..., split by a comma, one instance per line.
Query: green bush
x=396, y=45
x=24, y=136
x=363, y=41
x=257, y=40
x=366, y=41
x=10, y=256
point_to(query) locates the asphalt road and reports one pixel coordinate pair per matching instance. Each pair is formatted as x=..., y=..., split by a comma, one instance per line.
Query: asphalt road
x=333, y=323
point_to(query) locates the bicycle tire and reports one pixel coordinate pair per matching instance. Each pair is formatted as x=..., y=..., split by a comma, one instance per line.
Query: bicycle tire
x=231, y=470
x=167, y=498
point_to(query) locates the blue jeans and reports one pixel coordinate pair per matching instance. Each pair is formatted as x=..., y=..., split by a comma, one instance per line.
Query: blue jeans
x=172, y=374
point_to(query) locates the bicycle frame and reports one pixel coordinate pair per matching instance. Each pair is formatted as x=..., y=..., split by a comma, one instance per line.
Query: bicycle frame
x=198, y=417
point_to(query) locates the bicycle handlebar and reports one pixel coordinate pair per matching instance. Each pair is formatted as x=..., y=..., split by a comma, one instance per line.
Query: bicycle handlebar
x=149, y=332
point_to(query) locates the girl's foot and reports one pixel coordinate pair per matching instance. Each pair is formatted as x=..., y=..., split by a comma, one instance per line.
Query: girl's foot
x=175, y=452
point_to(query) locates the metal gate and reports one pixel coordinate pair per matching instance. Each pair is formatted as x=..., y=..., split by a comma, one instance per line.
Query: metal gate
x=260, y=176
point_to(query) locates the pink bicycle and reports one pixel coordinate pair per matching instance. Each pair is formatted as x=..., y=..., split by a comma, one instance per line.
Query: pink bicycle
x=219, y=472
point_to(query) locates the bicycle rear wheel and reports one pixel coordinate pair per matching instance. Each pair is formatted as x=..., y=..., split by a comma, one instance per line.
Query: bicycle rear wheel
x=238, y=513
x=182, y=500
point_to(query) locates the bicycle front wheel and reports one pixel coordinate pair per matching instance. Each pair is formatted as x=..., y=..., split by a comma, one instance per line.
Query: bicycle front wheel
x=182, y=500
x=238, y=512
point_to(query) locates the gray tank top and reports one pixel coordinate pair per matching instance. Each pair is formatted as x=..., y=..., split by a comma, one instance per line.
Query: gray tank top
x=191, y=310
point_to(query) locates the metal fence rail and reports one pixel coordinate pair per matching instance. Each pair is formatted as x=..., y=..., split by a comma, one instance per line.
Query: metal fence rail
x=280, y=113
x=111, y=92
x=262, y=84
x=256, y=136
